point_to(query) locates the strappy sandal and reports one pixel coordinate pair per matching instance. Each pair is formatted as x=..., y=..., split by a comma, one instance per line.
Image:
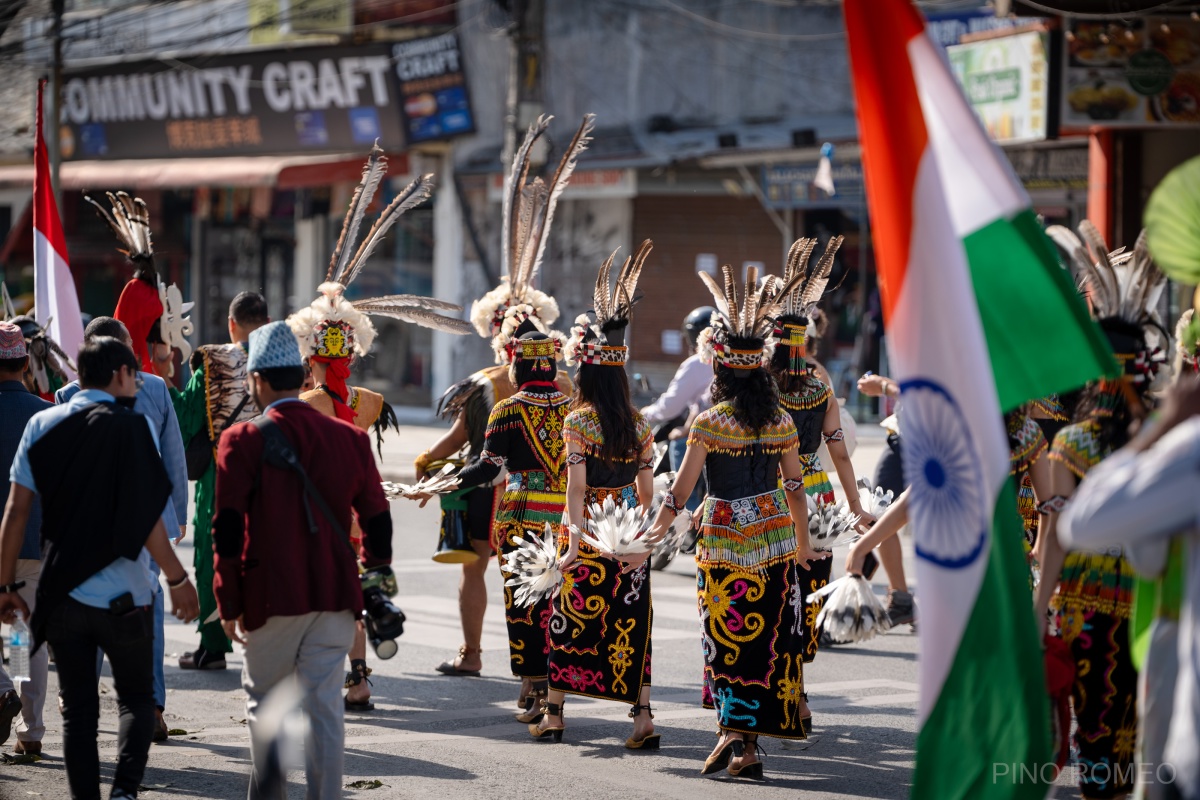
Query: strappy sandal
x=806, y=722
x=359, y=672
x=720, y=759
x=648, y=742
x=753, y=771
x=534, y=708
x=552, y=732
x=453, y=668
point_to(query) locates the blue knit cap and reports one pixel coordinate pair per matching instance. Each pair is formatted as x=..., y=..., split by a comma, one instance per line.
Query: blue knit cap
x=273, y=345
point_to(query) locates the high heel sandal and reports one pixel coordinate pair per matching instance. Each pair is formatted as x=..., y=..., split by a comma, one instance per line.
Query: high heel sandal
x=806, y=722
x=720, y=759
x=754, y=771
x=649, y=741
x=535, y=708
x=555, y=733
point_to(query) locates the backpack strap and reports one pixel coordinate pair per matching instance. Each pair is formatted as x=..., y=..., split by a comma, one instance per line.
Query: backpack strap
x=278, y=452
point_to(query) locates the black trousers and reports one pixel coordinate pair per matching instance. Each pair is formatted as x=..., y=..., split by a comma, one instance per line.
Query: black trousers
x=76, y=632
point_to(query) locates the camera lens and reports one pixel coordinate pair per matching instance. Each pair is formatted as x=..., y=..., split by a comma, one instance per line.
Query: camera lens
x=385, y=648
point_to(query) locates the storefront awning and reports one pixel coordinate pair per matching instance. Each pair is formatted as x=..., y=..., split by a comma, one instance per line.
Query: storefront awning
x=282, y=172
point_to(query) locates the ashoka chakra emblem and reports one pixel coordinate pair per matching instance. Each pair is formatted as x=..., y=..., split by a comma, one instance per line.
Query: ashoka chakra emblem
x=948, y=501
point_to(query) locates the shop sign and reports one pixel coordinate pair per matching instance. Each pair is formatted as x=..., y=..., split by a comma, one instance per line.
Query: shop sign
x=949, y=28
x=433, y=88
x=1135, y=73
x=1050, y=168
x=310, y=100
x=791, y=186
x=586, y=184
x=1007, y=82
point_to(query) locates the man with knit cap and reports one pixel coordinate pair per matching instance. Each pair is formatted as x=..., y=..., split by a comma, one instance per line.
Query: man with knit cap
x=287, y=581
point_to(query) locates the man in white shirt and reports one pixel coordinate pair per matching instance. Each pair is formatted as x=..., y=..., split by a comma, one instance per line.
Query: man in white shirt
x=1140, y=498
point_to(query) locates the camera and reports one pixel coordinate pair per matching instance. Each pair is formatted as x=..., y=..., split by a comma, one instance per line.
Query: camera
x=383, y=618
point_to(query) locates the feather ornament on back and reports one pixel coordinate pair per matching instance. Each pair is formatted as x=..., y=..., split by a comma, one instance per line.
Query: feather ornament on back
x=534, y=568
x=852, y=612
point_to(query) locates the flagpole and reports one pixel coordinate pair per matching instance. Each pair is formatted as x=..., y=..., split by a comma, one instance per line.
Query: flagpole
x=51, y=131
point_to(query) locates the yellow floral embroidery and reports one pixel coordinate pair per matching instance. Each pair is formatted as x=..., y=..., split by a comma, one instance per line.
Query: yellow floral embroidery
x=620, y=653
x=790, y=690
x=729, y=626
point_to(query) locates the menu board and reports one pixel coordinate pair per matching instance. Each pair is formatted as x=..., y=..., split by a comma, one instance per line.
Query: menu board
x=1131, y=74
x=1007, y=82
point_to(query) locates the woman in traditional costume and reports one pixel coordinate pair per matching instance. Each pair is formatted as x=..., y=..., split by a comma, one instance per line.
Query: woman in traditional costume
x=467, y=404
x=1091, y=593
x=600, y=628
x=753, y=554
x=334, y=332
x=525, y=435
x=810, y=403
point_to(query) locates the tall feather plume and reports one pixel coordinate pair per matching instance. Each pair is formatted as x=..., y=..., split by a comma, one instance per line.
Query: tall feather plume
x=1144, y=285
x=512, y=206
x=600, y=294
x=818, y=279
x=412, y=196
x=419, y=310
x=129, y=220
x=718, y=293
x=750, y=305
x=558, y=184
x=1107, y=286
x=731, y=295
x=373, y=172
x=625, y=292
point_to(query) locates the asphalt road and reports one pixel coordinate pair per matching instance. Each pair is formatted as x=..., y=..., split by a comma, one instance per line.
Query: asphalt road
x=447, y=737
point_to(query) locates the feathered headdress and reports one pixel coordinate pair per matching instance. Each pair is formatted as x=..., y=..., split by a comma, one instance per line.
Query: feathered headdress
x=46, y=357
x=603, y=342
x=334, y=327
x=1123, y=290
x=130, y=221
x=798, y=306
x=528, y=210
x=737, y=335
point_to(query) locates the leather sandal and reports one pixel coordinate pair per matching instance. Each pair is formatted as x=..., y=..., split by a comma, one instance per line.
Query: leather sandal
x=535, y=708
x=754, y=770
x=453, y=668
x=551, y=732
x=648, y=742
x=720, y=759
x=806, y=722
x=359, y=672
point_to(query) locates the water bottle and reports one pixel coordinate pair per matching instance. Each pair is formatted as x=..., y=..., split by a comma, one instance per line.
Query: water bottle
x=18, y=656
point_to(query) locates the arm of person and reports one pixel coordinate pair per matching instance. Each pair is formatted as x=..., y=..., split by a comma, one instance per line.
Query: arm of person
x=12, y=536
x=185, y=603
x=239, y=459
x=689, y=382
x=831, y=430
x=1039, y=476
x=685, y=481
x=797, y=501
x=491, y=460
x=576, y=494
x=170, y=442
x=1049, y=551
x=448, y=445
x=873, y=385
x=888, y=525
x=1137, y=496
x=374, y=514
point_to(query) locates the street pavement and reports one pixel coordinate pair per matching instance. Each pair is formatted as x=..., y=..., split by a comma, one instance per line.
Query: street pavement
x=432, y=735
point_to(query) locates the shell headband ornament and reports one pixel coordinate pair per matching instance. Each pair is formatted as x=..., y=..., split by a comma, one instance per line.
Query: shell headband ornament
x=603, y=343
x=528, y=210
x=1123, y=289
x=542, y=352
x=736, y=336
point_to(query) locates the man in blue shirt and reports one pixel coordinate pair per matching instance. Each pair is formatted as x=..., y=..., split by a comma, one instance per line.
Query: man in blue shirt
x=17, y=405
x=95, y=463
x=153, y=402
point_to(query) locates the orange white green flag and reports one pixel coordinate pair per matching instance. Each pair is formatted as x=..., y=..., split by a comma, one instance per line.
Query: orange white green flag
x=980, y=318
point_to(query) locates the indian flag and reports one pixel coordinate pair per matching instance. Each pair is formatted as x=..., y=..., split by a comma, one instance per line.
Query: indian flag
x=980, y=318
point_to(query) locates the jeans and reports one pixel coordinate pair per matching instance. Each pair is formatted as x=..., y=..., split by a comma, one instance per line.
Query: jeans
x=676, y=449
x=76, y=632
x=160, y=646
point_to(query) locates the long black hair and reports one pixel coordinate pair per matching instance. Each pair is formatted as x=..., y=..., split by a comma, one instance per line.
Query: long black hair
x=788, y=381
x=752, y=393
x=606, y=391
x=1106, y=402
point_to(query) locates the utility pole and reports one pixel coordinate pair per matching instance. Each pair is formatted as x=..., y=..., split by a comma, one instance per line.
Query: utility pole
x=516, y=9
x=53, y=120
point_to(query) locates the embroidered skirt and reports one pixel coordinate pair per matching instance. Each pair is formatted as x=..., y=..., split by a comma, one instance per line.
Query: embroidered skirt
x=818, y=487
x=600, y=621
x=527, y=505
x=1104, y=698
x=1100, y=582
x=751, y=624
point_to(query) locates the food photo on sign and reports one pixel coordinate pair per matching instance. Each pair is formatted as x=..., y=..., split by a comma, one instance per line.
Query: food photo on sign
x=433, y=88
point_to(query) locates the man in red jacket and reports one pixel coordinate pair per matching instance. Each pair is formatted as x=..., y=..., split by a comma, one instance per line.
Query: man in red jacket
x=286, y=583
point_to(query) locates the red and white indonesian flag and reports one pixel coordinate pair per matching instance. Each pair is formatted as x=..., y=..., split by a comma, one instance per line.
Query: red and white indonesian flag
x=980, y=318
x=54, y=297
